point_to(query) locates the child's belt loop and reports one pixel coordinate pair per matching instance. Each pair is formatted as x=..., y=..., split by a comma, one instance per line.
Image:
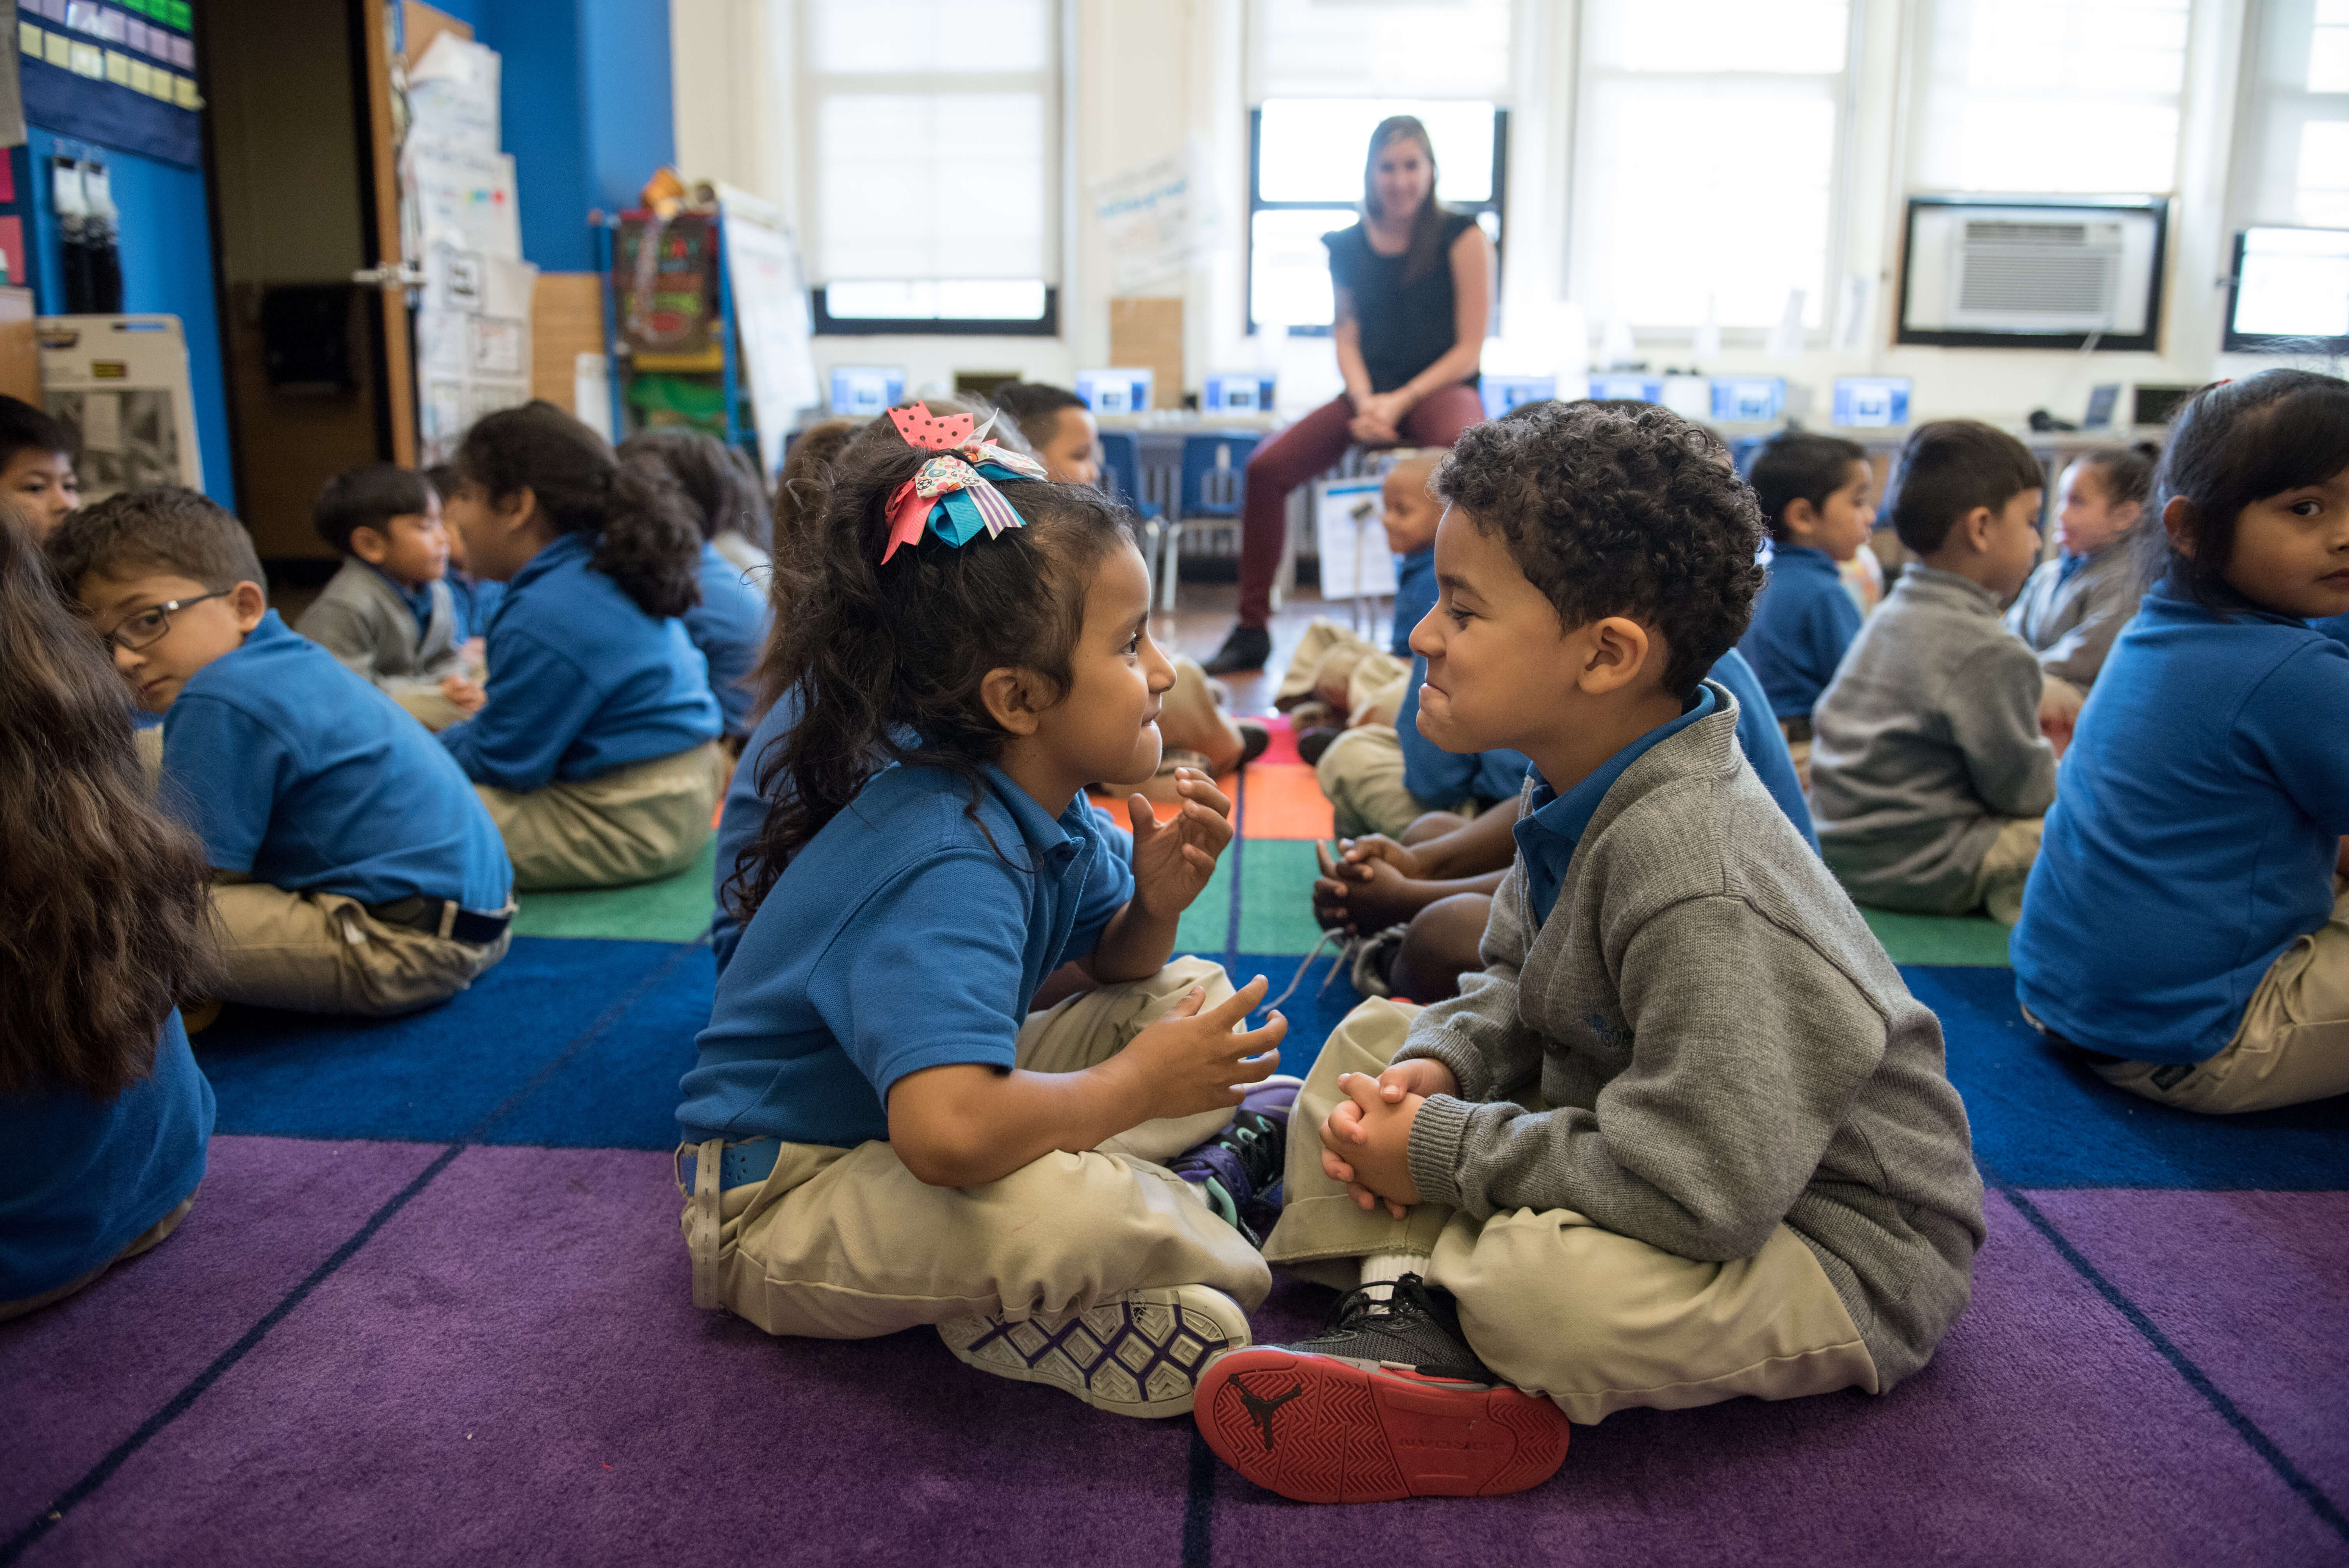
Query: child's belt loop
x=703, y=1239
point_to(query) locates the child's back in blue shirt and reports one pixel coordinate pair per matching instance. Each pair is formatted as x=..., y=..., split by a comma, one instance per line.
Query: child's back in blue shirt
x=582, y=681
x=1416, y=591
x=1804, y=619
x=729, y=627
x=2193, y=838
x=300, y=774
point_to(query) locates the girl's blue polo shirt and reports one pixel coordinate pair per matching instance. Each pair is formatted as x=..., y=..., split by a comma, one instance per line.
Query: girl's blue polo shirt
x=300, y=774
x=909, y=933
x=80, y=1179
x=1804, y=619
x=2198, y=816
x=582, y=681
x=729, y=627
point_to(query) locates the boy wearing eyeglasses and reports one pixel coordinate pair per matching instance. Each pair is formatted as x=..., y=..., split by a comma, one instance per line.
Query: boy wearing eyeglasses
x=355, y=871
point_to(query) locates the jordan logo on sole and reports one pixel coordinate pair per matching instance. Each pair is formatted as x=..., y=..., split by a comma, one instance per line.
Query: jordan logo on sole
x=1260, y=1410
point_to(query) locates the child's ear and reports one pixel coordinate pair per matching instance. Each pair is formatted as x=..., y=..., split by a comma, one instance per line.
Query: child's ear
x=1011, y=698
x=1800, y=517
x=2125, y=514
x=369, y=545
x=517, y=508
x=1976, y=528
x=249, y=604
x=1618, y=647
x=2177, y=522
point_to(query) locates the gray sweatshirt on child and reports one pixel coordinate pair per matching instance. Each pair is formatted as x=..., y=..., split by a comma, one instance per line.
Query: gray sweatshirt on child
x=1927, y=738
x=2071, y=620
x=361, y=619
x=1724, y=1047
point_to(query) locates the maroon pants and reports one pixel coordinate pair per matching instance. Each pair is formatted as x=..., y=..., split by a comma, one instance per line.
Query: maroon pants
x=1304, y=449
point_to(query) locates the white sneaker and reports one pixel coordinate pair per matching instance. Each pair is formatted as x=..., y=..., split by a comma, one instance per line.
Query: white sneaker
x=1140, y=1354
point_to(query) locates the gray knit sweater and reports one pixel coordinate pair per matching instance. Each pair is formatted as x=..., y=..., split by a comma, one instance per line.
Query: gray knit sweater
x=2071, y=622
x=362, y=621
x=1723, y=1046
x=1925, y=740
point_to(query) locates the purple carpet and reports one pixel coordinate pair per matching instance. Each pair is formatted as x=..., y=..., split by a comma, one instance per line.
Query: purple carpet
x=498, y=1361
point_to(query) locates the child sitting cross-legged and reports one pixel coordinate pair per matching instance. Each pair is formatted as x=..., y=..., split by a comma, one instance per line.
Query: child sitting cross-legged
x=597, y=753
x=1813, y=491
x=882, y=1134
x=1929, y=773
x=2188, y=925
x=1336, y=680
x=387, y=615
x=356, y=872
x=1687, y=1136
x=2073, y=607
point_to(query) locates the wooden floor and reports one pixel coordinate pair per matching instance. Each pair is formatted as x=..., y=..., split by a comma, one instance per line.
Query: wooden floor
x=1205, y=616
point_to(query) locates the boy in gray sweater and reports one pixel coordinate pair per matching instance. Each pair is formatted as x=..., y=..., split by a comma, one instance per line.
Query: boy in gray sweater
x=1687, y=1136
x=1930, y=777
x=388, y=615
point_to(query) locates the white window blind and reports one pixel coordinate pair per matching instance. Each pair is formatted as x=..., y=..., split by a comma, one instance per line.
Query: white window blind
x=2291, y=164
x=932, y=154
x=1397, y=49
x=1708, y=160
x=2051, y=96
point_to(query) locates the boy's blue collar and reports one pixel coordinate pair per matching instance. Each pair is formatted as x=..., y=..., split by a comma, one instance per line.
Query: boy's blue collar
x=1550, y=831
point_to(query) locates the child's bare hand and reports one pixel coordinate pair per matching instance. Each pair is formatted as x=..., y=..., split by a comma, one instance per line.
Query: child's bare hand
x=463, y=693
x=1366, y=1143
x=1190, y=1060
x=1173, y=860
x=1378, y=847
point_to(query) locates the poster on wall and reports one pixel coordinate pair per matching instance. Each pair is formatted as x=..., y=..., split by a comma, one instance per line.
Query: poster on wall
x=472, y=343
x=770, y=318
x=121, y=381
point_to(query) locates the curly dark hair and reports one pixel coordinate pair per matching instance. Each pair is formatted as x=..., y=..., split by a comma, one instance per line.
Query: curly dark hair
x=2236, y=442
x=1618, y=508
x=105, y=901
x=885, y=661
x=646, y=540
x=167, y=528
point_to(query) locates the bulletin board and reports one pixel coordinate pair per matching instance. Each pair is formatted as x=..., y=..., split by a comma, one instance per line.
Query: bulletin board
x=123, y=74
x=121, y=381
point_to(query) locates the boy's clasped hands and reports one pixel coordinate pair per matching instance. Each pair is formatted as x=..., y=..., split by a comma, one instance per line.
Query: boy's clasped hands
x=1366, y=1138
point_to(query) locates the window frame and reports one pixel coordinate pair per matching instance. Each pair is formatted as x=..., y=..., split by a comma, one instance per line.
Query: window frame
x=813, y=87
x=1497, y=203
x=2267, y=116
x=1835, y=253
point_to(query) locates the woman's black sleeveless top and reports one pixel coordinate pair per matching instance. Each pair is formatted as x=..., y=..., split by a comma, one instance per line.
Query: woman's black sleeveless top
x=1405, y=327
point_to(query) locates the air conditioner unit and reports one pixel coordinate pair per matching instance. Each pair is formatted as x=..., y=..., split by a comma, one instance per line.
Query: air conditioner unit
x=2008, y=274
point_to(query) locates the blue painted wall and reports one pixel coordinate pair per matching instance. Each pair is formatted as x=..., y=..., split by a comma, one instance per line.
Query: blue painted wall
x=167, y=269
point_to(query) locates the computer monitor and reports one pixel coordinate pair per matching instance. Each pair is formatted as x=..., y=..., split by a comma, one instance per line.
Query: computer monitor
x=1237, y=392
x=1502, y=393
x=1870, y=402
x=861, y=391
x=2102, y=401
x=1117, y=390
x=1748, y=399
x=2288, y=292
x=1628, y=389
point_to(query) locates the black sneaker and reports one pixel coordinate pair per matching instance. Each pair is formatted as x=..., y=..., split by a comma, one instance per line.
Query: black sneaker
x=1389, y=1403
x=1247, y=648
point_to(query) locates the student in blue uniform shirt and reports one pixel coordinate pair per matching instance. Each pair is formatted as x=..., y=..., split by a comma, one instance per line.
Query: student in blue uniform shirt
x=358, y=874
x=2335, y=628
x=880, y=1132
x=476, y=598
x=105, y=914
x=730, y=624
x=1814, y=491
x=2187, y=925
x=596, y=754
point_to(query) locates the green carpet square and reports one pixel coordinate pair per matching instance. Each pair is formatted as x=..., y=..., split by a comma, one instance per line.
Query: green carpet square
x=1961, y=941
x=1207, y=926
x=675, y=909
x=1277, y=897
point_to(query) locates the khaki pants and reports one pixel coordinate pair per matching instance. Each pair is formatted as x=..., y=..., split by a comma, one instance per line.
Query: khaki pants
x=2006, y=867
x=323, y=953
x=148, y=744
x=1560, y=1306
x=429, y=707
x=2292, y=1047
x=847, y=1244
x=1353, y=677
x=1361, y=775
x=1191, y=719
x=152, y=1236
x=633, y=824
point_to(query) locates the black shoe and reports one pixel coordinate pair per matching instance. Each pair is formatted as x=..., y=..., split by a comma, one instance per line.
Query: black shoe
x=1311, y=743
x=1389, y=1402
x=1247, y=648
x=1255, y=739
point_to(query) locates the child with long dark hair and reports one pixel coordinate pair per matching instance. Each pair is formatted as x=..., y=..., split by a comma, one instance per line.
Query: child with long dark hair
x=882, y=1134
x=105, y=911
x=2076, y=604
x=597, y=753
x=2187, y=925
x=730, y=624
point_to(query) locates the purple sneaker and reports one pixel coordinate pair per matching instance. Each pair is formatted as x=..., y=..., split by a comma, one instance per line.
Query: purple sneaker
x=1239, y=1169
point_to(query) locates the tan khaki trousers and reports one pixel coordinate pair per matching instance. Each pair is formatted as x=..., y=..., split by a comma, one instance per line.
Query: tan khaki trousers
x=1350, y=675
x=323, y=953
x=149, y=1237
x=429, y=707
x=2006, y=867
x=646, y=821
x=1361, y=776
x=2292, y=1047
x=847, y=1244
x=1191, y=719
x=1557, y=1304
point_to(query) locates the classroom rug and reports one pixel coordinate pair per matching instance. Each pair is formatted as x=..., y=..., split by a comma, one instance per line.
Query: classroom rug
x=432, y=1304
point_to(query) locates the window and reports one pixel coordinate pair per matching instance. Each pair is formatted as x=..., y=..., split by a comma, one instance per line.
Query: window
x=1708, y=160
x=1446, y=61
x=2078, y=97
x=2293, y=150
x=931, y=129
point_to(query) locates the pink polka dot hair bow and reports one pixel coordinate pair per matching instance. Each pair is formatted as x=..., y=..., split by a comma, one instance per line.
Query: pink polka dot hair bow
x=950, y=494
